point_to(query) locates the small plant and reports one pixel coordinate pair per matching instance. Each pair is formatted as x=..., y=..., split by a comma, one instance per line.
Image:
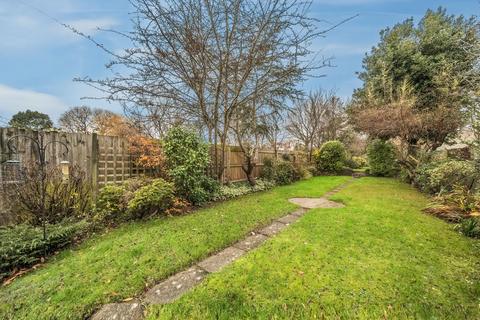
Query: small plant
x=381, y=158
x=470, y=227
x=331, y=157
x=151, y=199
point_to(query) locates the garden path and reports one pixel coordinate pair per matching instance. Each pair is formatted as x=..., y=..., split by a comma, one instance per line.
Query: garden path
x=176, y=285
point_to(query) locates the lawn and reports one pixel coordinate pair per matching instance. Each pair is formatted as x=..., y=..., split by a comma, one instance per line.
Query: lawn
x=379, y=257
x=121, y=263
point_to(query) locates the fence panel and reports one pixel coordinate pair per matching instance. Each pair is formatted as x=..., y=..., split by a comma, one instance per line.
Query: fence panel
x=104, y=159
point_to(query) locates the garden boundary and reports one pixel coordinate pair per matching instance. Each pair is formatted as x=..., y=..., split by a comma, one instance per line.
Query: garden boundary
x=104, y=159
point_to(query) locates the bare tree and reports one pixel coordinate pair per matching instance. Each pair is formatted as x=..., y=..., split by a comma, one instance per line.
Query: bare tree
x=209, y=59
x=82, y=119
x=318, y=118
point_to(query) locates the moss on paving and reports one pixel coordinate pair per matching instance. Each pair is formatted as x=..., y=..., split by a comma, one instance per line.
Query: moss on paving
x=121, y=263
x=379, y=257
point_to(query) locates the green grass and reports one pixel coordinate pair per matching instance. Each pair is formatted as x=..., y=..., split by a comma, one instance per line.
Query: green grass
x=121, y=263
x=379, y=257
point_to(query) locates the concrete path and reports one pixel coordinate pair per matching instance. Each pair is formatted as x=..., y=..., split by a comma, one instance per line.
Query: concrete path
x=175, y=286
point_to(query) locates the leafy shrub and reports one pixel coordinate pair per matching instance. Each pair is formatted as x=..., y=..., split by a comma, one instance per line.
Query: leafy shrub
x=23, y=245
x=331, y=157
x=187, y=159
x=110, y=206
x=151, y=199
x=359, y=162
x=112, y=200
x=470, y=227
x=435, y=177
x=302, y=172
x=381, y=158
x=285, y=173
x=268, y=169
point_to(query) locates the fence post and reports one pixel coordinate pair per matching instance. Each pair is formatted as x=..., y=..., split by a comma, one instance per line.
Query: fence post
x=94, y=163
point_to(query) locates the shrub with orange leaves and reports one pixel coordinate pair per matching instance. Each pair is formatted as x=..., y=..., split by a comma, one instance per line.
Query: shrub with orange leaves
x=147, y=151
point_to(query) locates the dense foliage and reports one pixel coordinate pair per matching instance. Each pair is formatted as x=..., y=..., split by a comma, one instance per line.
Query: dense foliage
x=187, y=159
x=381, y=158
x=442, y=176
x=417, y=82
x=283, y=172
x=23, y=245
x=29, y=119
x=151, y=199
x=331, y=157
x=135, y=198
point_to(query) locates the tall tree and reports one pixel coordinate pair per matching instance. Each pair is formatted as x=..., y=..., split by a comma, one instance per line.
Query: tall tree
x=206, y=60
x=29, y=119
x=416, y=82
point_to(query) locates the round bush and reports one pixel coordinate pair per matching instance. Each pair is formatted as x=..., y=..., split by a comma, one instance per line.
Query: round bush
x=381, y=158
x=151, y=199
x=331, y=157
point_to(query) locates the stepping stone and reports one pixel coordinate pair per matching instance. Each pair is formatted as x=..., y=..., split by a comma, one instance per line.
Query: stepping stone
x=291, y=218
x=273, y=229
x=217, y=262
x=173, y=287
x=316, y=203
x=251, y=242
x=120, y=311
x=299, y=212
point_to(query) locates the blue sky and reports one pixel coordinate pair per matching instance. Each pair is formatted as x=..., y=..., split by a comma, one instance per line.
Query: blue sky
x=39, y=58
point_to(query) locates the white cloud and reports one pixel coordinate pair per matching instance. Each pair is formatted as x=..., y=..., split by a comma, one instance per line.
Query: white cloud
x=13, y=100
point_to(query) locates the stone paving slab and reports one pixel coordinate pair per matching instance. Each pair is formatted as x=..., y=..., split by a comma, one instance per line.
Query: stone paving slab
x=273, y=229
x=312, y=203
x=217, y=262
x=251, y=242
x=120, y=311
x=291, y=218
x=173, y=287
x=300, y=212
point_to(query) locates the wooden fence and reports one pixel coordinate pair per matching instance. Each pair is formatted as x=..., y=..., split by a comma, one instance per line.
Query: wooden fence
x=104, y=159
